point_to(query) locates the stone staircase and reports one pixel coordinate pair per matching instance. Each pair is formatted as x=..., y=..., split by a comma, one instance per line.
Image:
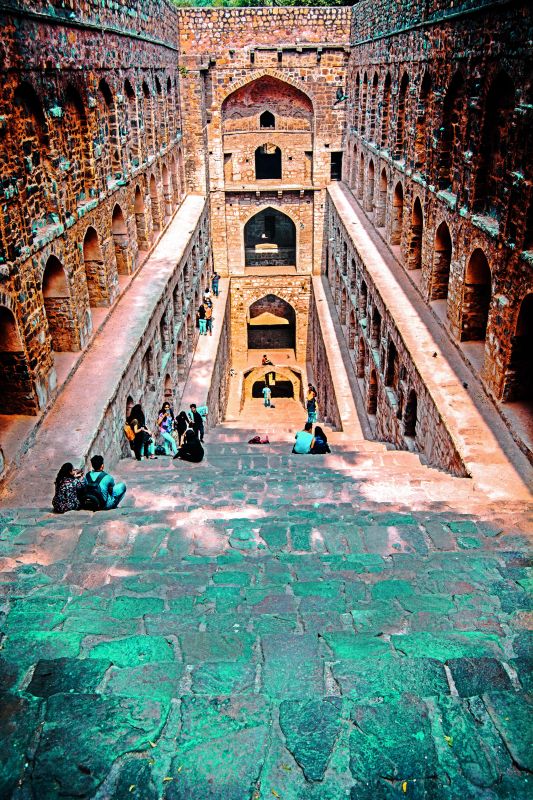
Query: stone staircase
x=266, y=625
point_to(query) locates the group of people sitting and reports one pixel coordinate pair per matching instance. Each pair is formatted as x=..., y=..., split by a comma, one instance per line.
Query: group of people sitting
x=182, y=436
x=96, y=491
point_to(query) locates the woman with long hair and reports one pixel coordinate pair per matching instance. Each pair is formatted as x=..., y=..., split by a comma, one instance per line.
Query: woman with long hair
x=191, y=449
x=165, y=423
x=142, y=444
x=181, y=423
x=320, y=445
x=69, y=485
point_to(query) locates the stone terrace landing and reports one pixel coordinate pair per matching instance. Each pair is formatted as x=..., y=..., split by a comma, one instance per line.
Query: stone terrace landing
x=263, y=626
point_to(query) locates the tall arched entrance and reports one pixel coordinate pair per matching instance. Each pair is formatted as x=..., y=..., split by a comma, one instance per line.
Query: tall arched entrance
x=270, y=240
x=271, y=324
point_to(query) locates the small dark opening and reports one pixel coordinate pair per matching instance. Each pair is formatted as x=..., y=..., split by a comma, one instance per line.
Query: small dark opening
x=267, y=120
x=336, y=166
x=267, y=162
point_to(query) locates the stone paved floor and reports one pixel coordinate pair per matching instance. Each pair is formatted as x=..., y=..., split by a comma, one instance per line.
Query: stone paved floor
x=269, y=626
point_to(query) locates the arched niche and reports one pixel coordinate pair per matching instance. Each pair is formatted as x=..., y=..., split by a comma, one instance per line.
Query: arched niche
x=519, y=376
x=283, y=382
x=271, y=324
x=58, y=306
x=243, y=108
x=476, y=298
x=270, y=239
x=17, y=396
x=93, y=261
x=119, y=230
x=442, y=256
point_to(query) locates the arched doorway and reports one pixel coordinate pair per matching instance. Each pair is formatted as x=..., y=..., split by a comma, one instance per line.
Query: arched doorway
x=271, y=324
x=278, y=388
x=519, y=378
x=57, y=306
x=17, y=395
x=267, y=162
x=476, y=298
x=442, y=257
x=119, y=230
x=397, y=215
x=270, y=240
x=414, y=255
x=93, y=260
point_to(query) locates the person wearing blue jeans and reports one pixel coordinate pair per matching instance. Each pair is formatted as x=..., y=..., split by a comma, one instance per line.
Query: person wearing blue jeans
x=165, y=422
x=202, y=323
x=214, y=283
x=112, y=492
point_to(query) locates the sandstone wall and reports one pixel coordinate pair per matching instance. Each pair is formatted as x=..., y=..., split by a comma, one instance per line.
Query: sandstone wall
x=91, y=163
x=399, y=407
x=437, y=152
x=300, y=52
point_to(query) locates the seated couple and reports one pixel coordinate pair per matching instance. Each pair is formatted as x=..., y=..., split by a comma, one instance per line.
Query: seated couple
x=306, y=442
x=97, y=491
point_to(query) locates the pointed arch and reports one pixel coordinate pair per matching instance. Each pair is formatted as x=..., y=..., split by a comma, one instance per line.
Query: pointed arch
x=397, y=215
x=442, y=257
x=476, y=297
x=416, y=235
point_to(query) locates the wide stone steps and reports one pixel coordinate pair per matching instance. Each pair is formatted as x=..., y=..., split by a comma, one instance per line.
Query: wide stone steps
x=263, y=625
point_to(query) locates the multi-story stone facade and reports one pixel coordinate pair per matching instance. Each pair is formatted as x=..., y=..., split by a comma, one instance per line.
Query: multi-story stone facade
x=437, y=154
x=92, y=171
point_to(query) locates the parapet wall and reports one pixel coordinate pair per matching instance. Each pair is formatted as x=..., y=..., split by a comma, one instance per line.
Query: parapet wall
x=154, y=18
x=228, y=31
x=375, y=18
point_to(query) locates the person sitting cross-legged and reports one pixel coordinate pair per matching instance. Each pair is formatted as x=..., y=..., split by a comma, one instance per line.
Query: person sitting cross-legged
x=320, y=445
x=304, y=440
x=112, y=493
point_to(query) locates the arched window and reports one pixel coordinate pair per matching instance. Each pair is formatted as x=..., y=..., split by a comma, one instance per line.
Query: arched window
x=442, y=256
x=399, y=146
x=267, y=162
x=494, y=146
x=451, y=133
x=476, y=298
x=414, y=253
x=267, y=120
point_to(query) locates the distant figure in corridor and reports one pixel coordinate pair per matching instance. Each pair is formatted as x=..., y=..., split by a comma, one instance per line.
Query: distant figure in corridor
x=201, y=320
x=214, y=283
x=304, y=440
x=209, y=318
x=267, y=394
x=197, y=422
x=266, y=362
x=311, y=404
x=320, y=444
x=191, y=449
x=112, y=493
x=69, y=486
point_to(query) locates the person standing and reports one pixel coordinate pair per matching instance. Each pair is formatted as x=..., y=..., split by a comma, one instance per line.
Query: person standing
x=312, y=405
x=214, y=283
x=165, y=423
x=267, y=394
x=201, y=320
x=197, y=422
x=112, y=493
x=209, y=318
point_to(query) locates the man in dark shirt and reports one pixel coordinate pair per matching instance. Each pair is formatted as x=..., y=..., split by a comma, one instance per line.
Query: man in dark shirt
x=197, y=422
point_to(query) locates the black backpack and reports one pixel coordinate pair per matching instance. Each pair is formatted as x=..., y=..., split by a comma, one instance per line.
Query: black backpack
x=92, y=498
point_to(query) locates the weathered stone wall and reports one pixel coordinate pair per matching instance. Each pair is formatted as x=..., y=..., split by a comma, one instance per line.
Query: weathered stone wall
x=399, y=407
x=217, y=396
x=91, y=164
x=323, y=372
x=437, y=153
x=158, y=368
x=247, y=290
x=230, y=55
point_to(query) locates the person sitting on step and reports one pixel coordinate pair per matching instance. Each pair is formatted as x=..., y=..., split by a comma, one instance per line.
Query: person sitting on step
x=304, y=440
x=165, y=423
x=320, y=445
x=191, y=449
x=69, y=484
x=112, y=493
